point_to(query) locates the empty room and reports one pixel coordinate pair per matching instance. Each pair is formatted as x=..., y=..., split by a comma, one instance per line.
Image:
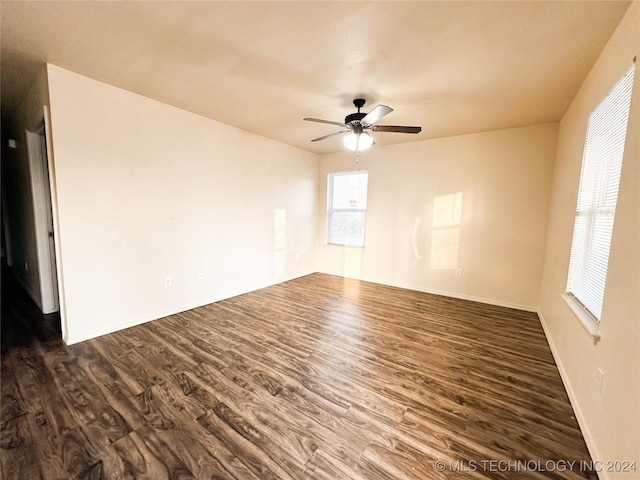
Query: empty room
x=320, y=240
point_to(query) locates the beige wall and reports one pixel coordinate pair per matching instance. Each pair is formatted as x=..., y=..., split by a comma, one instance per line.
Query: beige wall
x=610, y=419
x=146, y=191
x=505, y=179
x=17, y=190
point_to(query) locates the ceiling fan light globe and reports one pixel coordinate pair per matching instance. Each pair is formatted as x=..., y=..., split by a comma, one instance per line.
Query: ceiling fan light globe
x=357, y=142
x=365, y=141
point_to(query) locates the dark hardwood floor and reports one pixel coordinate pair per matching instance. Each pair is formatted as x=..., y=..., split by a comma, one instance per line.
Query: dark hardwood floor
x=317, y=378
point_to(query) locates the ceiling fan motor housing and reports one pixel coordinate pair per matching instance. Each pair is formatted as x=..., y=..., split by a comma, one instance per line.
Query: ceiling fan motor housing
x=354, y=117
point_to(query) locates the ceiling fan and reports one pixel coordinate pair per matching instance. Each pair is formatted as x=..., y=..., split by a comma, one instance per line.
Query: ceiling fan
x=356, y=123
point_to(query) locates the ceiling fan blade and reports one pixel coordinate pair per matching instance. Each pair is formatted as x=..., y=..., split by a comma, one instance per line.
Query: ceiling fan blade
x=324, y=121
x=395, y=128
x=376, y=114
x=330, y=135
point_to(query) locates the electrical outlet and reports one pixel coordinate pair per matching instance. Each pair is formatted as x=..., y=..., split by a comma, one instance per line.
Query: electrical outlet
x=201, y=276
x=167, y=282
x=458, y=272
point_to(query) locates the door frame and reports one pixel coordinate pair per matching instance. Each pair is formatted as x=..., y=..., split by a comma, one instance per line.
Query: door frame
x=43, y=188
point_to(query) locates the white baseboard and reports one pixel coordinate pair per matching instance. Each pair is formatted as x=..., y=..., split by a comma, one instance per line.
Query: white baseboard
x=70, y=340
x=489, y=301
x=131, y=323
x=443, y=293
x=573, y=399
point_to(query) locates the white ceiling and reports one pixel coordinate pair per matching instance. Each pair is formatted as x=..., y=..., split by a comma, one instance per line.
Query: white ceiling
x=453, y=67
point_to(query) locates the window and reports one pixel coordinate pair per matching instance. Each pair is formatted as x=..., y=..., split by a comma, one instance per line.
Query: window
x=346, y=207
x=597, y=197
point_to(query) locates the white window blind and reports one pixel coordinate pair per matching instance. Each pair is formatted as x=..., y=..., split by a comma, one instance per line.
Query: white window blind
x=597, y=196
x=346, y=207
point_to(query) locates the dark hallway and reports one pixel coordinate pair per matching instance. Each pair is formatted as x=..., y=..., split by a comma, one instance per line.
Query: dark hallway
x=22, y=322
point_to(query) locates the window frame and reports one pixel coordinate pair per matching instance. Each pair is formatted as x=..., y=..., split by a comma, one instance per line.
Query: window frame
x=331, y=210
x=606, y=120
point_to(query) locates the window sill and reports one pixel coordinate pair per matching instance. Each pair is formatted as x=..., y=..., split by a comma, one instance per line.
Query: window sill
x=328, y=244
x=586, y=320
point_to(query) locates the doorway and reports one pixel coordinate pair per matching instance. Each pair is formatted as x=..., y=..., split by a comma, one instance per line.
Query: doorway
x=43, y=217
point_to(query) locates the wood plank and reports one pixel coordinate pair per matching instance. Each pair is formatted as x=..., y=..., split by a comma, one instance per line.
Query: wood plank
x=18, y=452
x=317, y=378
